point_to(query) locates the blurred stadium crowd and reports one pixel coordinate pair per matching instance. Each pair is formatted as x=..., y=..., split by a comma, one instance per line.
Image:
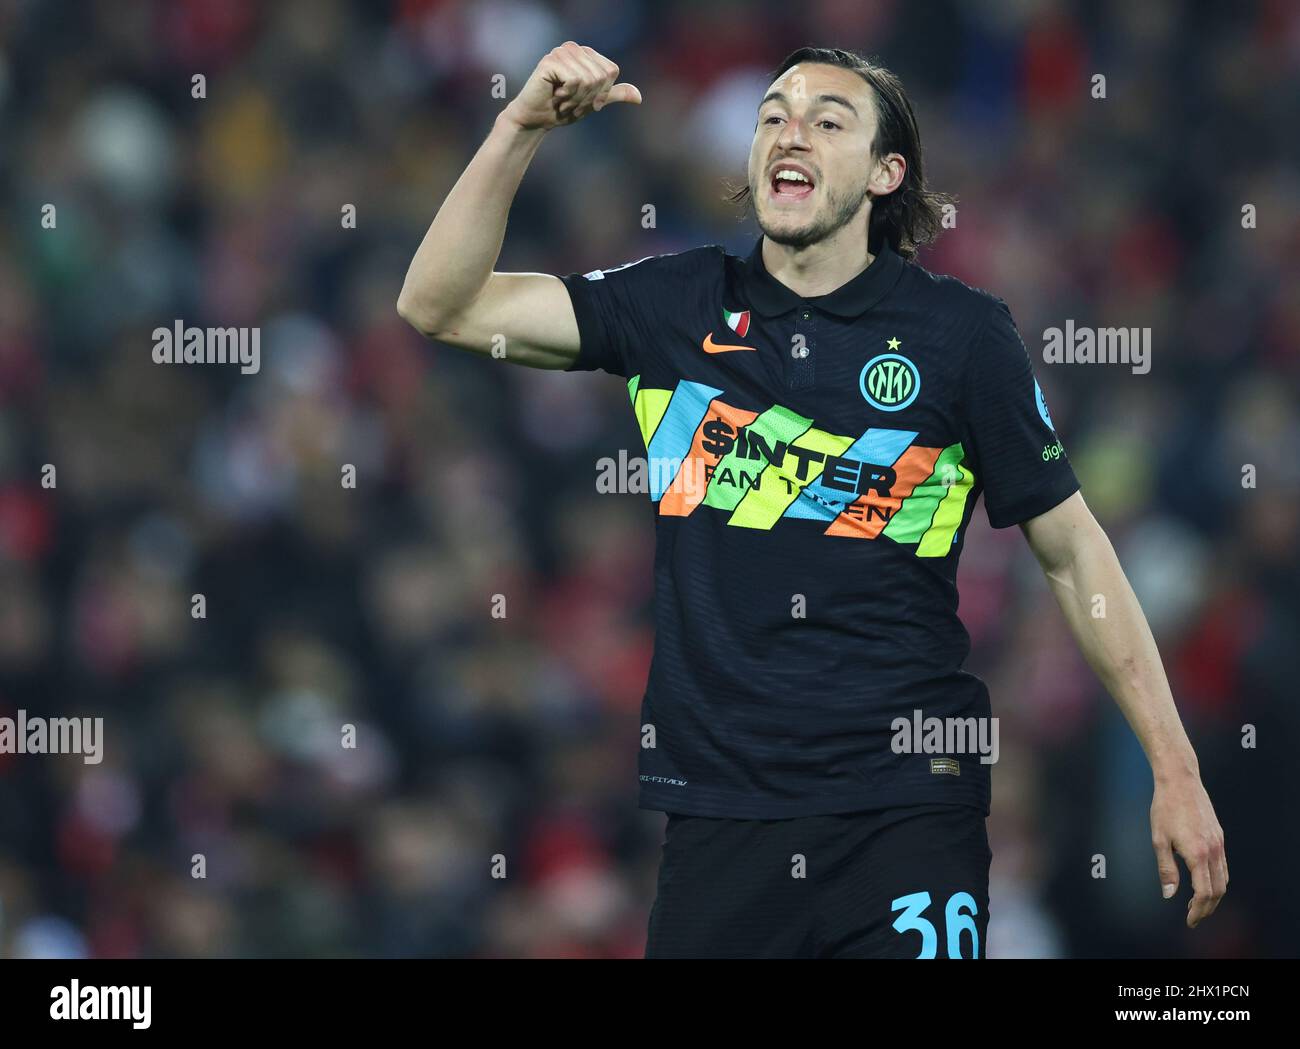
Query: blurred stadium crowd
x=480, y=736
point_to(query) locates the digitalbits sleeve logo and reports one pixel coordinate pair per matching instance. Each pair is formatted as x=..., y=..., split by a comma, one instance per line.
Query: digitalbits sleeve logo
x=1042, y=406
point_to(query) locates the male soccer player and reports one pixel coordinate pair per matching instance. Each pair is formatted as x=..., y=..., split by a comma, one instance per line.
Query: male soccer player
x=819, y=420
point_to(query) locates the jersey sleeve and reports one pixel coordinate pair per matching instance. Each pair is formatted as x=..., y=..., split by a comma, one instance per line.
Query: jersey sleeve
x=1015, y=449
x=617, y=311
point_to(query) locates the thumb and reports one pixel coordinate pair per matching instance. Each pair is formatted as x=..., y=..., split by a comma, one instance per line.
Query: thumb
x=1167, y=867
x=623, y=93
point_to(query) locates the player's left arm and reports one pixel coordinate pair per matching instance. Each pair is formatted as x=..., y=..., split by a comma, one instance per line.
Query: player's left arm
x=1080, y=565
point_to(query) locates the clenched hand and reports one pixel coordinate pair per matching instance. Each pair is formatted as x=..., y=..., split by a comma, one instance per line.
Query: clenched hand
x=570, y=82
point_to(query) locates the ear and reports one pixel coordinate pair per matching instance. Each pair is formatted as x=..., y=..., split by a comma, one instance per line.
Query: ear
x=888, y=175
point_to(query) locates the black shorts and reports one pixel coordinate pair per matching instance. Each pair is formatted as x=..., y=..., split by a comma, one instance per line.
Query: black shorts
x=910, y=882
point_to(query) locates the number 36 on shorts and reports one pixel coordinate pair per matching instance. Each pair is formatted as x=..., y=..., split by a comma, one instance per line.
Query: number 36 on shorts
x=958, y=917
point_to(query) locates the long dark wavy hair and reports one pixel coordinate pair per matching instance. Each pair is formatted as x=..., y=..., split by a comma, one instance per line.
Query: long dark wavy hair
x=912, y=215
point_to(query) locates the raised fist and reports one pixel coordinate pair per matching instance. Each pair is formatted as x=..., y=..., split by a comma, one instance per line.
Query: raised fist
x=570, y=82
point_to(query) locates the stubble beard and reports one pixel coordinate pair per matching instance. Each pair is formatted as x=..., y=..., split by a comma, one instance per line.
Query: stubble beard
x=839, y=211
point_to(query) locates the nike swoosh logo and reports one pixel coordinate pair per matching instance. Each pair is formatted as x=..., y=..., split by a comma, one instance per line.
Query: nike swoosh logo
x=721, y=347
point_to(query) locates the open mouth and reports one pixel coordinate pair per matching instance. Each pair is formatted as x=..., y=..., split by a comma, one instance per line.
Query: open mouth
x=790, y=182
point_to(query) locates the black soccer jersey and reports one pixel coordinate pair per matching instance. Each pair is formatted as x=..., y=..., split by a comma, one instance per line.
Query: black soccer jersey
x=813, y=464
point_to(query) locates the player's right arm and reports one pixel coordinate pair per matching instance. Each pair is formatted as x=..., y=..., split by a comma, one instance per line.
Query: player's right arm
x=451, y=292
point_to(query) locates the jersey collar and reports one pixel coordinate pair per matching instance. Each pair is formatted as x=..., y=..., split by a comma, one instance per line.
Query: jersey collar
x=769, y=297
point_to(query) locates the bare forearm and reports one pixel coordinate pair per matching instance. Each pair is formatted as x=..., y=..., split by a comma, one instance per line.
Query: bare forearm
x=455, y=259
x=451, y=292
x=1104, y=615
x=1113, y=634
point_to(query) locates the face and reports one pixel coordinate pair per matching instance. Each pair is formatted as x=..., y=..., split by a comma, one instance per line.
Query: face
x=811, y=167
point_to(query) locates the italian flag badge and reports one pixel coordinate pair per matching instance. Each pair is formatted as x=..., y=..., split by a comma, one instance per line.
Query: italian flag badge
x=737, y=322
